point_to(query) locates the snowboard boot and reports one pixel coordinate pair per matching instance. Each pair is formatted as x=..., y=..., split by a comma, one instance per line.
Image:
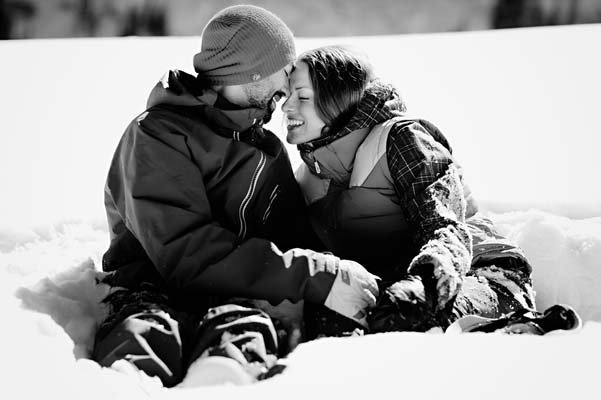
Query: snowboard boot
x=244, y=335
x=557, y=317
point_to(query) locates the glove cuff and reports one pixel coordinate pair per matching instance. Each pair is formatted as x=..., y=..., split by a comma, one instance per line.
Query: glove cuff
x=340, y=299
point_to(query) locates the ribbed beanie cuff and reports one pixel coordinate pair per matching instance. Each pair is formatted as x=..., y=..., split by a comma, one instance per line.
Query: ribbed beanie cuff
x=243, y=44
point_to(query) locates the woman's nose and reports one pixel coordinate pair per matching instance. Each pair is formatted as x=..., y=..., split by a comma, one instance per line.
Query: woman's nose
x=287, y=105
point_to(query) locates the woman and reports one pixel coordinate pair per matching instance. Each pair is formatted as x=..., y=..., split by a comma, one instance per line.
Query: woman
x=384, y=189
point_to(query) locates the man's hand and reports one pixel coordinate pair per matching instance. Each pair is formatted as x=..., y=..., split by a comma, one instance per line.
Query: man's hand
x=353, y=292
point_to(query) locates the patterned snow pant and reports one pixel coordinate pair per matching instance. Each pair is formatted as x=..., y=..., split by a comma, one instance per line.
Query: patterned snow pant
x=499, y=282
x=143, y=329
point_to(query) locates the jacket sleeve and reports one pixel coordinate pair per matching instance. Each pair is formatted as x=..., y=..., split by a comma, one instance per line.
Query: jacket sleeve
x=163, y=202
x=428, y=184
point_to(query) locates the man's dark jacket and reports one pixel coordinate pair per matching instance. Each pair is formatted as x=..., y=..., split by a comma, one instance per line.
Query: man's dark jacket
x=201, y=201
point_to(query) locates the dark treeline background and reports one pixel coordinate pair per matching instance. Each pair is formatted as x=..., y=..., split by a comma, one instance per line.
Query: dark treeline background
x=23, y=19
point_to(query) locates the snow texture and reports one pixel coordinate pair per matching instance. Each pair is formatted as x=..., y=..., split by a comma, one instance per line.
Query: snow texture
x=519, y=107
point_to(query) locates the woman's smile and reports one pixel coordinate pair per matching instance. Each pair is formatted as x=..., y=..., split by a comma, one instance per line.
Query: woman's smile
x=292, y=123
x=302, y=122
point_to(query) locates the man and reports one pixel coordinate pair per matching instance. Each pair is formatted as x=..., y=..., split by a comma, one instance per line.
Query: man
x=203, y=206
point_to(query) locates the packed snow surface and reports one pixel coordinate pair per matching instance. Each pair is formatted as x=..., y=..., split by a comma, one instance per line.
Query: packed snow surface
x=519, y=107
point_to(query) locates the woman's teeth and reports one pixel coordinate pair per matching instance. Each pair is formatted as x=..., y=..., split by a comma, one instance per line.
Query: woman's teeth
x=293, y=123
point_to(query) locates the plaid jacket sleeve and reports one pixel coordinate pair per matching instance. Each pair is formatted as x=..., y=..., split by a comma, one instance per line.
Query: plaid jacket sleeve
x=428, y=184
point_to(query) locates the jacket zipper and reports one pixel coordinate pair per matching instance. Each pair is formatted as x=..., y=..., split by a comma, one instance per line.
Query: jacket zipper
x=272, y=197
x=249, y=195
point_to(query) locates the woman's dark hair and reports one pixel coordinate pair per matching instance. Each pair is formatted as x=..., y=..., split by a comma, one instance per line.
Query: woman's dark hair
x=339, y=77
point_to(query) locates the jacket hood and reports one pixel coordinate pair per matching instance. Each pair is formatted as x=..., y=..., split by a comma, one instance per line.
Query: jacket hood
x=379, y=103
x=177, y=88
x=333, y=156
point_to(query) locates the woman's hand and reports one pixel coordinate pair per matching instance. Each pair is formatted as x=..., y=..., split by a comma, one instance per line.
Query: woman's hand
x=444, y=261
x=405, y=305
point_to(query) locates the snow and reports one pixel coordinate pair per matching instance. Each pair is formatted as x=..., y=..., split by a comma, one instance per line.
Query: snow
x=519, y=107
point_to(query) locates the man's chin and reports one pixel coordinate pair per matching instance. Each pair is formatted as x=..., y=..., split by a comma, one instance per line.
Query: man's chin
x=269, y=110
x=268, y=104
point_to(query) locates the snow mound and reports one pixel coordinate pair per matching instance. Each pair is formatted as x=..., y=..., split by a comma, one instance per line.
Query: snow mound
x=51, y=298
x=565, y=255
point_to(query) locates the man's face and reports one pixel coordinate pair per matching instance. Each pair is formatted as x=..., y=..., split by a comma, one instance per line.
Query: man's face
x=267, y=92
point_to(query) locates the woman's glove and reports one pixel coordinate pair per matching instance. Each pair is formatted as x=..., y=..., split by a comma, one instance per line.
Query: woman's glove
x=446, y=281
x=444, y=261
x=354, y=291
x=404, y=305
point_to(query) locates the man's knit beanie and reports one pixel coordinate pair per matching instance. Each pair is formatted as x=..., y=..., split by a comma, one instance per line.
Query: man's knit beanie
x=243, y=44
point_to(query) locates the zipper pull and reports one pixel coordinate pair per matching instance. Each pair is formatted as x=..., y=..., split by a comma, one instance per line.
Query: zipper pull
x=317, y=169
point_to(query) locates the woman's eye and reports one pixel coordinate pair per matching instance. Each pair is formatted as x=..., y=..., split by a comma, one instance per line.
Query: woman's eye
x=303, y=98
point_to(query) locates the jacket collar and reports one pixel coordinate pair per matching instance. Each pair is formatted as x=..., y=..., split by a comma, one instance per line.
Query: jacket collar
x=335, y=160
x=181, y=89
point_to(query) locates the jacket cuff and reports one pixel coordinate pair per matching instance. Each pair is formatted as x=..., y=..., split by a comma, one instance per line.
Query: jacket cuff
x=319, y=286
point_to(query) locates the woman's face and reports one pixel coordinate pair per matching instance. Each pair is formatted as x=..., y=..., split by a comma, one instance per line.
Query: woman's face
x=301, y=116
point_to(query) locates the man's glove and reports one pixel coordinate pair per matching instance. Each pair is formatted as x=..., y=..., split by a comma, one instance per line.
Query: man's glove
x=353, y=292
